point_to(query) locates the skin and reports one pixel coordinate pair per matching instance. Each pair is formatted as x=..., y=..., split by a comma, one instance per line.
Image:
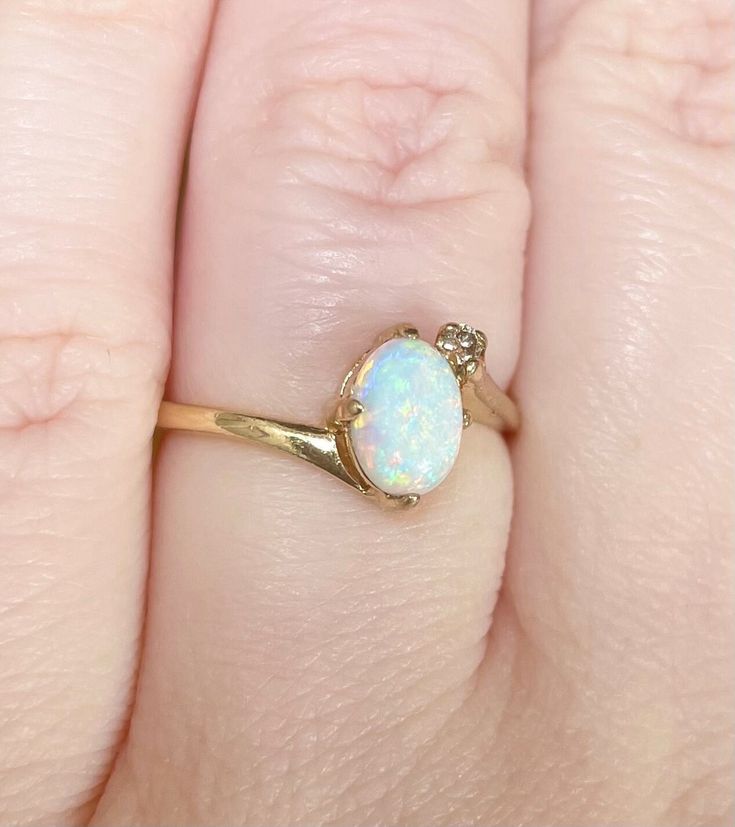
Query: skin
x=547, y=639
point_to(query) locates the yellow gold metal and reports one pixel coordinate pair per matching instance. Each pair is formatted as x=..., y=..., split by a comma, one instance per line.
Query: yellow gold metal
x=329, y=448
x=487, y=404
x=319, y=446
x=316, y=445
x=406, y=501
x=347, y=410
x=403, y=330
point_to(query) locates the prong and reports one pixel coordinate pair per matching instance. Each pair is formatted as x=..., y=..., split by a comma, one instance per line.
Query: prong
x=409, y=500
x=404, y=501
x=470, y=369
x=466, y=418
x=404, y=330
x=407, y=331
x=348, y=409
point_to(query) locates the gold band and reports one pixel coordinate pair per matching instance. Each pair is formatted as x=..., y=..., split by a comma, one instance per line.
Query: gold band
x=328, y=447
x=315, y=445
x=487, y=403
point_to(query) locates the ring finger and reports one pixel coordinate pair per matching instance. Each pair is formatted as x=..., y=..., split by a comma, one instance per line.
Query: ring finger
x=352, y=166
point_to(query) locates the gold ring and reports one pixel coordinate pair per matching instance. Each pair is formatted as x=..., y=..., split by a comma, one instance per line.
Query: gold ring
x=395, y=427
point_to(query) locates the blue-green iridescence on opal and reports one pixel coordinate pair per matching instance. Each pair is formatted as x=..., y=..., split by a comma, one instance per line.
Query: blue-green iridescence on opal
x=407, y=438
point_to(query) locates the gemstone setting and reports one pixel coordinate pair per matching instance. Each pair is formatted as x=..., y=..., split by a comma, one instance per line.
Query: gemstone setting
x=406, y=439
x=463, y=346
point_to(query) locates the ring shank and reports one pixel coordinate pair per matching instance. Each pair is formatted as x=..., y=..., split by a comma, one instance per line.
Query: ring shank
x=319, y=446
x=488, y=404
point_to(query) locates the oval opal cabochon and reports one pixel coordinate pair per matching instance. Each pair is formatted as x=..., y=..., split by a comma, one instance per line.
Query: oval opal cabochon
x=407, y=438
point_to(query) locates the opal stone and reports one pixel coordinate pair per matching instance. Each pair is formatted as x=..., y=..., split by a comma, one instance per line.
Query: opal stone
x=407, y=438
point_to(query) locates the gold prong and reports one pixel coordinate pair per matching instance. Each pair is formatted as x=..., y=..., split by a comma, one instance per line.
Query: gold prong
x=402, y=501
x=404, y=330
x=348, y=409
x=409, y=500
x=466, y=418
x=407, y=331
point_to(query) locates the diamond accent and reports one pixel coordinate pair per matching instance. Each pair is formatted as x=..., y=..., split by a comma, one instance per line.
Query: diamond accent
x=463, y=346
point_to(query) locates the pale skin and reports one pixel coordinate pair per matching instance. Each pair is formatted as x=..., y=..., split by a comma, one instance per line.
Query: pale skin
x=230, y=636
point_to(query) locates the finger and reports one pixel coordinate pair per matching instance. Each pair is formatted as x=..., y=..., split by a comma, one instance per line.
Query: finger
x=620, y=568
x=93, y=105
x=352, y=166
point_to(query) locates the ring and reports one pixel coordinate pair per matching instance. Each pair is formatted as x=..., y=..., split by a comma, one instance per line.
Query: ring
x=394, y=431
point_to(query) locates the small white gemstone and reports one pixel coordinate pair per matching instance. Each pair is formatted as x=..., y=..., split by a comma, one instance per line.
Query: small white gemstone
x=407, y=438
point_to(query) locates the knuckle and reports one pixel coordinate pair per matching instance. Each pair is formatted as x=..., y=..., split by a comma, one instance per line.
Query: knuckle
x=84, y=317
x=75, y=334
x=74, y=287
x=403, y=113
x=44, y=379
x=392, y=146
x=675, y=69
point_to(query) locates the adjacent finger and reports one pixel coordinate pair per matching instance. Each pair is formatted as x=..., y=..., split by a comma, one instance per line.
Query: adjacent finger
x=353, y=165
x=620, y=569
x=94, y=102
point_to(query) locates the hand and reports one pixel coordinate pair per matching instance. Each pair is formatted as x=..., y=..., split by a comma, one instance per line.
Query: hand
x=305, y=657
